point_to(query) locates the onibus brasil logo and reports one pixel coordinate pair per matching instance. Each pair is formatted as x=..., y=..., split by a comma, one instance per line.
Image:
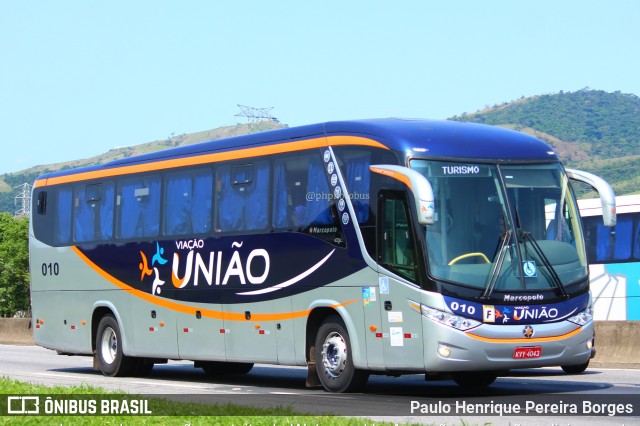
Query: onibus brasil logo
x=215, y=267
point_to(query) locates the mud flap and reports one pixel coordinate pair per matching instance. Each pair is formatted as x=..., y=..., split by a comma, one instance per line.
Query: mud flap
x=96, y=363
x=313, y=381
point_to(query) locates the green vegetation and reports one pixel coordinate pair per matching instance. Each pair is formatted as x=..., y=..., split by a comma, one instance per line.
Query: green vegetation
x=165, y=412
x=591, y=130
x=609, y=122
x=14, y=266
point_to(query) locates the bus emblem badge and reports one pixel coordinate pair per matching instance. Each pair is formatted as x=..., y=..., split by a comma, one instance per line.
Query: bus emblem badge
x=527, y=332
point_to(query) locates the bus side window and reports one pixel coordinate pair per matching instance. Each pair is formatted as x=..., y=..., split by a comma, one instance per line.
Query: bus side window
x=318, y=204
x=362, y=185
x=138, y=204
x=188, y=202
x=289, y=186
x=611, y=244
x=42, y=202
x=242, y=195
x=622, y=238
x=93, y=212
x=64, y=208
x=358, y=179
x=302, y=199
x=636, y=238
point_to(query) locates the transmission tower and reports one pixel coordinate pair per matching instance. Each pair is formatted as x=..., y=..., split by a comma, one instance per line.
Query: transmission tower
x=23, y=200
x=255, y=116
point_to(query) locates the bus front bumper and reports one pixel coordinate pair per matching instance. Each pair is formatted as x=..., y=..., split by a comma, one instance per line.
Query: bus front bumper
x=492, y=347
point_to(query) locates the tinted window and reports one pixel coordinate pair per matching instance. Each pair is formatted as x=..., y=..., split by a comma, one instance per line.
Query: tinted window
x=398, y=249
x=242, y=194
x=188, y=202
x=618, y=243
x=302, y=198
x=363, y=186
x=138, y=206
x=63, y=215
x=93, y=212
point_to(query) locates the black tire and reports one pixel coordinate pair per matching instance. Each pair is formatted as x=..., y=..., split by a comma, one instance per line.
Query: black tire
x=474, y=380
x=112, y=361
x=575, y=369
x=218, y=368
x=334, y=362
x=143, y=367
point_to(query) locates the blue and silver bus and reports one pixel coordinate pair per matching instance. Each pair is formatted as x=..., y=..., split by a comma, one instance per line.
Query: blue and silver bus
x=352, y=248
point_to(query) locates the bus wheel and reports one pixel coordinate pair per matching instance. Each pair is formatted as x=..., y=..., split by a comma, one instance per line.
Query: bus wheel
x=143, y=367
x=334, y=362
x=474, y=380
x=109, y=348
x=575, y=369
x=218, y=368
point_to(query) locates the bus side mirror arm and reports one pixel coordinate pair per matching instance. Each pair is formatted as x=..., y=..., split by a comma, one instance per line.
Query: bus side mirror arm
x=607, y=196
x=417, y=183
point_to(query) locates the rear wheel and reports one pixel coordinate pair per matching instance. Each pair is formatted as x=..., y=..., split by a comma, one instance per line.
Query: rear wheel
x=474, y=380
x=334, y=360
x=112, y=361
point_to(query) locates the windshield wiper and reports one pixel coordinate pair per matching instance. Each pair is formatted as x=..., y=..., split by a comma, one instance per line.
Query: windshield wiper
x=545, y=261
x=502, y=254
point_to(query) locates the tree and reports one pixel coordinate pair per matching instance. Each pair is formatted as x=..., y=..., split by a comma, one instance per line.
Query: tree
x=14, y=265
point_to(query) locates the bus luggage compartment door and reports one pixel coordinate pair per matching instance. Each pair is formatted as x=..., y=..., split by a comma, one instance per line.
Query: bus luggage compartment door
x=250, y=333
x=201, y=334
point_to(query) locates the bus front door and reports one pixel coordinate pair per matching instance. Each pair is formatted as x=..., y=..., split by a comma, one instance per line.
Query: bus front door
x=402, y=325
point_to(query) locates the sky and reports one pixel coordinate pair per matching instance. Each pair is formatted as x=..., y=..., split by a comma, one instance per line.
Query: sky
x=79, y=77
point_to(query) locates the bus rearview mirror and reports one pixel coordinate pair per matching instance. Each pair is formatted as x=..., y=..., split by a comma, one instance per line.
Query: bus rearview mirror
x=418, y=185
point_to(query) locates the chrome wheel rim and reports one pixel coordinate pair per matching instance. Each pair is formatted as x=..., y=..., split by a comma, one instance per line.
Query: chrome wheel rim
x=109, y=345
x=334, y=354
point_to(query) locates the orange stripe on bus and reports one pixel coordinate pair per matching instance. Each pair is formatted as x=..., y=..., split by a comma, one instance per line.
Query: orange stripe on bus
x=212, y=158
x=397, y=176
x=526, y=340
x=191, y=310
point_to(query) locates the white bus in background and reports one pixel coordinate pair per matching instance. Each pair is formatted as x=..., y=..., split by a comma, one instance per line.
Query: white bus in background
x=614, y=258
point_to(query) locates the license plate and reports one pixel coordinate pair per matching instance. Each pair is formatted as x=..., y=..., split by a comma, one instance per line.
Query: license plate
x=527, y=352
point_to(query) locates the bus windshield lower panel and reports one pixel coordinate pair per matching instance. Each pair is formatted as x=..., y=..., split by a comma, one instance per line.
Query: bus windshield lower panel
x=503, y=228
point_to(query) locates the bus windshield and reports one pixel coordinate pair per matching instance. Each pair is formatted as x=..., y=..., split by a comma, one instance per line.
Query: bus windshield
x=503, y=227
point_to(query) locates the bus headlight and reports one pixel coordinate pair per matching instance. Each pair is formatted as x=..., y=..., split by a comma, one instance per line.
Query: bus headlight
x=582, y=318
x=455, y=321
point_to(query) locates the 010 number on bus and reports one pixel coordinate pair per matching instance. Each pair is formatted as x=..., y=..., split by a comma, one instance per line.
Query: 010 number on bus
x=50, y=269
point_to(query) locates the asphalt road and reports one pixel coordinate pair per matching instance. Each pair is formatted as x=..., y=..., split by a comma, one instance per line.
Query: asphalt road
x=402, y=399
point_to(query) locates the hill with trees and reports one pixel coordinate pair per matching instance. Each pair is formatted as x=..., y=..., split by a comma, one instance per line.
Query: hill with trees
x=9, y=181
x=591, y=130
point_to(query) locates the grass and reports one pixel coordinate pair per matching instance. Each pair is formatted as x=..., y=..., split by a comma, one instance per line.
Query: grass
x=165, y=412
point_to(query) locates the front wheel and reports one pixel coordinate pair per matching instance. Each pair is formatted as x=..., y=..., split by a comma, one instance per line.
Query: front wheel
x=334, y=362
x=575, y=369
x=474, y=380
x=113, y=362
